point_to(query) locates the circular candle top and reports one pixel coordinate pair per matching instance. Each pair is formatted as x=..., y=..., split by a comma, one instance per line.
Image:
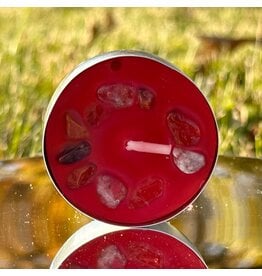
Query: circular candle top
x=129, y=140
x=134, y=248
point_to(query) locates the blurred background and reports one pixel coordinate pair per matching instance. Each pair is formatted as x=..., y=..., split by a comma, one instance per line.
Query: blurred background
x=220, y=49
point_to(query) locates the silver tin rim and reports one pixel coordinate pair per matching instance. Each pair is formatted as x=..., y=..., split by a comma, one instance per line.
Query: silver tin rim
x=95, y=229
x=91, y=62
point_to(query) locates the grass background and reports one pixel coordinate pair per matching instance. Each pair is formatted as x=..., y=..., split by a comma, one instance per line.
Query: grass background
x=39, y=46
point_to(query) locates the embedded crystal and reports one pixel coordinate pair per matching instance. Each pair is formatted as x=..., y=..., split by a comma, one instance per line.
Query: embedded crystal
x=117, y=95
x=81, y=176
x=111, y=257
x=145, y=98
x=111, y=190
x=74, y=153
x=75, y=128
x=188, y=161
x=146, y=192
x=185, y=131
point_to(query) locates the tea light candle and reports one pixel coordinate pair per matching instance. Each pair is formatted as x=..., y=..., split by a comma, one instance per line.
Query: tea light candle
x=128, y=139
x=98, y=245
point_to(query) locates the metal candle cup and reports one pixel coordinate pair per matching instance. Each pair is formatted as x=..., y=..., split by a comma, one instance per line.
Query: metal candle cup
x=93, y=130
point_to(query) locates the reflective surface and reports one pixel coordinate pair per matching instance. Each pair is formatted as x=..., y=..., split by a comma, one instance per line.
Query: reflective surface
x=224, y=223
x=34, y=220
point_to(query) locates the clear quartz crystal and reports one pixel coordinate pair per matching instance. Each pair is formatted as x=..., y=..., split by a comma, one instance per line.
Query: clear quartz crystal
x=111, y=190
x=188, y=161
x=111, y=257
x=117, y=95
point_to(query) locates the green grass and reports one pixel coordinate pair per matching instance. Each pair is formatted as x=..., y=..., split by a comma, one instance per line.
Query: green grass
x=38, y=47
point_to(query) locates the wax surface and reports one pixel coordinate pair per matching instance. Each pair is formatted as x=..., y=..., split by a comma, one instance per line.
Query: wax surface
x=111, y=103
x=133, y=249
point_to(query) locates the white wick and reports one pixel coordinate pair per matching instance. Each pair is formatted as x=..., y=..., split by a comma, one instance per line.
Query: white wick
x=141, y=146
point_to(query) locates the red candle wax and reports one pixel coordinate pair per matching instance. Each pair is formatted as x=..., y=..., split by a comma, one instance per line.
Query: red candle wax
x=121, y=98
x=134, y=248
